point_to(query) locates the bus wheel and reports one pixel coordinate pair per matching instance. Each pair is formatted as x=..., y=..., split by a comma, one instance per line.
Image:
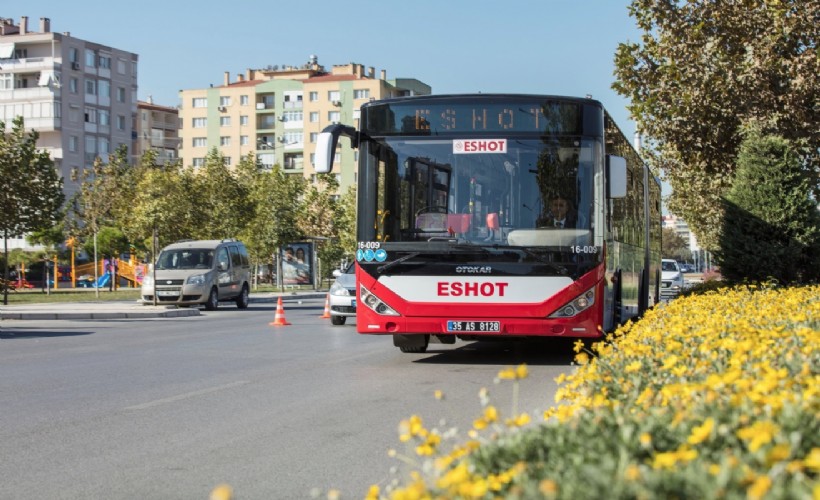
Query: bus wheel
x=411, y=343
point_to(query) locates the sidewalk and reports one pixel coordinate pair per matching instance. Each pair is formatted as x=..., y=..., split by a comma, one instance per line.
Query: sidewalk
x=129, y=309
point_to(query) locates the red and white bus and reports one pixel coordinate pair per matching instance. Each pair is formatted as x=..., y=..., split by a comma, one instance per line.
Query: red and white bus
x=498, y=216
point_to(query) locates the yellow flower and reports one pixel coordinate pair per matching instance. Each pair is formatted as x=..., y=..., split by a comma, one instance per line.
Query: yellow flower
x=632, y=473
x=812, y=460
x=548, y=487
x=645, y=439
x=578, y=346
x=373, y=492
x=759, y=487
x=633, y=367
x=521, y=371
x=701, y=432
x=222, y=492
x=582, y=358
x=438, y=394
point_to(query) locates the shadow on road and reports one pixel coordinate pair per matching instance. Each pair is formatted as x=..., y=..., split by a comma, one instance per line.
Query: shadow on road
x=27, y=333
x=546, y=352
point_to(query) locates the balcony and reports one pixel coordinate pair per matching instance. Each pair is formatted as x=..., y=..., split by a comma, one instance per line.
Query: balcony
x=30, y=94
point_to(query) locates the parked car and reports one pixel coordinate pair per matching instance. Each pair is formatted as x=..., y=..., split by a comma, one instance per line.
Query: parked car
x=343, y=295
x=198, y=272
x=671, y=279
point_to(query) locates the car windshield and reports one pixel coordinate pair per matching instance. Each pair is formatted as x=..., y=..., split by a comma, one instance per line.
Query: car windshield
x=186, y=259
x=668, y=266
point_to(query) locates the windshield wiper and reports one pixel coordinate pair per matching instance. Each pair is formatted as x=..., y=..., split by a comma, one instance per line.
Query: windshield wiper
x=389, y=265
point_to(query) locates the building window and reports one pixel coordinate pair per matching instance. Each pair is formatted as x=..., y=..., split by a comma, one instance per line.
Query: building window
x=121, y=66
x=357, y=113
x=6, y=81
x=314, y=116
x=313, y=159
x=313, y=137
x=334, y=95
x=244, y=100
x=104, y=88
x=199, y=102
x=72, y=143
x=120, y=94
x=225, y=140
x=293, y=116
x=90, y=87
x=224, y=121
x=313, y=96
x=104, y=146
x=361, y=94
x=224, y=100
x=73, y=85
x=200, y=142
x=198, y=162
x=104, y=117
x=243, y=140
x=120, y=122
x=90, y=59
x=243, y=120
x=90, y=115
x=199, y=122
x=105, y=62
x=293, y=138
x=226, y=160
x=74, y=55
x=334, y=116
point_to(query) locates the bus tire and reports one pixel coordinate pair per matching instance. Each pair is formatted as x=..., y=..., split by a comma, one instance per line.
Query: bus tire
x=411, y=343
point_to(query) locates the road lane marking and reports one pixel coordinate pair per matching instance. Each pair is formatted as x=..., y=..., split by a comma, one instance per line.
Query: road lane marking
x=186, y=395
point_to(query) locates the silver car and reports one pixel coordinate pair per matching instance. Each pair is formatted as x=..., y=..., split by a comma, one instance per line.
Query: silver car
x=202, y=272
x=671, y=279
x=343, y=295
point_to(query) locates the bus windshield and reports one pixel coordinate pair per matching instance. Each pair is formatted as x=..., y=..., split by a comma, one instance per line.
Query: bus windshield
x=527, y=191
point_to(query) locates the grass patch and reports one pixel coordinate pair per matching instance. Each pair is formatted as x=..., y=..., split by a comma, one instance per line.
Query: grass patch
x=36, y=296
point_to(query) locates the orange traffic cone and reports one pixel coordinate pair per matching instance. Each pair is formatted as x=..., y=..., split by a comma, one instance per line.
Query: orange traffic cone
x=279, y=319
x=326, y=314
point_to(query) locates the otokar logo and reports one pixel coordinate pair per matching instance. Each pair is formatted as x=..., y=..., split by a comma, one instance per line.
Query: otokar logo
x=474, y=270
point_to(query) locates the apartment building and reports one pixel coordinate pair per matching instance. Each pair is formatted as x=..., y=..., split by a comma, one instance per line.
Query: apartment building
x=277, y=114
x=79, y=95
x=157, y=129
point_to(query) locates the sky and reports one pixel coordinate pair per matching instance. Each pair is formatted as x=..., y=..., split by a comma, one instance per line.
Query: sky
x=558, y=47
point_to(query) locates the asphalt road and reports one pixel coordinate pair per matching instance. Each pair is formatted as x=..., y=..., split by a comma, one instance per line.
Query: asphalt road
x=169, y=408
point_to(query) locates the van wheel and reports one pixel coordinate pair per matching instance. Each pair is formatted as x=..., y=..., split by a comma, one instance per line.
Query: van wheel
x=244, y=299
x=337, y=320
x=213, y=300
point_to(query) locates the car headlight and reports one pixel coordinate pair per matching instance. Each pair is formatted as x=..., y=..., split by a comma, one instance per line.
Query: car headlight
x=148, y=280
x=197, y=279
x=337, y=289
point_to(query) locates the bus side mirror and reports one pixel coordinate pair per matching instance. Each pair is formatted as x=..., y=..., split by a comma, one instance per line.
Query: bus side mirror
x=326, y=145
x=616, y=176
x=325, y=151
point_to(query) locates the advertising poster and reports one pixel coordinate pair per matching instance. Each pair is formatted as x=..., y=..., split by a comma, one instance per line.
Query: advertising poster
x=296, y=262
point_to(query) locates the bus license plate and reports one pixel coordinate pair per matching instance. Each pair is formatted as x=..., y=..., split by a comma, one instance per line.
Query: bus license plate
x=473, y=326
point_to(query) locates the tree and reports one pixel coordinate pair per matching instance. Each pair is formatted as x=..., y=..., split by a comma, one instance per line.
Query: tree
x=772, y=224
x=674, y=246
x=702, y=70
x=31, y=190
x=273, y=196
x=319, y=216
x=222, y=198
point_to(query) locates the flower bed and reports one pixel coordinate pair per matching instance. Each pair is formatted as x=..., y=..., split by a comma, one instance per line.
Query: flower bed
x=711, y=396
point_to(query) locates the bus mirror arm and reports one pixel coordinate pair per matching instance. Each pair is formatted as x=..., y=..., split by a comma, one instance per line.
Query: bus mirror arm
x=326, y=145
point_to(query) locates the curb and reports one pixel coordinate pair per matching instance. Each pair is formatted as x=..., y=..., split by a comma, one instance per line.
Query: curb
x=129, y=310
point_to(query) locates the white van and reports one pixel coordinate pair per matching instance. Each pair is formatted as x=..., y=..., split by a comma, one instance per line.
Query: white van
x=194, y=272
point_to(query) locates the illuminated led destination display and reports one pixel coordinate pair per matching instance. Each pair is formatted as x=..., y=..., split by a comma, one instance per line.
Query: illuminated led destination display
x=435, y=116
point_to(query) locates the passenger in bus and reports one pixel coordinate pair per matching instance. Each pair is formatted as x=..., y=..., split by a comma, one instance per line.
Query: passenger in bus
x=560, y=215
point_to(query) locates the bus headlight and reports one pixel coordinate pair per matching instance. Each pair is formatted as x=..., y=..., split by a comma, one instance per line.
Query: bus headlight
x=375, y=303
x=578, y=304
